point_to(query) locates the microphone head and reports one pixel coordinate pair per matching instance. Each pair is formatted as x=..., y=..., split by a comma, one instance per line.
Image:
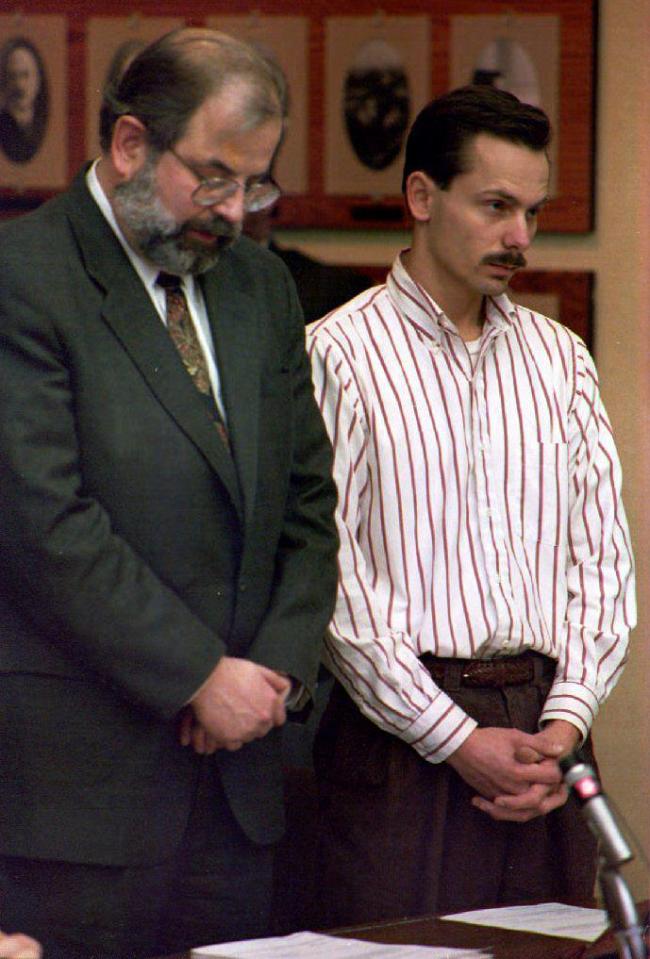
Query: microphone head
x=580, y=777
x=576, y=758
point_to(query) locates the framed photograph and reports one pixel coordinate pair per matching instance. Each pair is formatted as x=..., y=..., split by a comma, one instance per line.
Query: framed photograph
x=564, y=295
x=111, y=44
x=377, y=78
x=284, y=39
x=33, y=105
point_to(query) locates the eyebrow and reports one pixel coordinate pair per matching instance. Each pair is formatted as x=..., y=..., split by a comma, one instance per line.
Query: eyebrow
x=218, y=166
x=222, y=169
x=511, y=198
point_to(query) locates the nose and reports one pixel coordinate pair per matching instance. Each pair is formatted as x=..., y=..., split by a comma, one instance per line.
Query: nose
x=231, y=208
x=519, y=232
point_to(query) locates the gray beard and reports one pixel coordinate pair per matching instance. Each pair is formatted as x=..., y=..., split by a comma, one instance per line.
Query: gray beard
x=155, y=232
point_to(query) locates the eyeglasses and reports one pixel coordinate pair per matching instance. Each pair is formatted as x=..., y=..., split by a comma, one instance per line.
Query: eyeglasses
x=258, y=195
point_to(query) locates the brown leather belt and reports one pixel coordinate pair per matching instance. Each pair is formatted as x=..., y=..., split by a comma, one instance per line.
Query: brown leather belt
x=502, y=671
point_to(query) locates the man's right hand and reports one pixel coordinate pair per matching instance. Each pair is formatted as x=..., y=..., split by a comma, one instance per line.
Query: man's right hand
x=491, y=761
x=18, y=946
x=240, y=701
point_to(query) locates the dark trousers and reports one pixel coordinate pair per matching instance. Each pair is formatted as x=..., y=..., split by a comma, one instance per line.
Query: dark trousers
x=401, y=838
x=217, y=888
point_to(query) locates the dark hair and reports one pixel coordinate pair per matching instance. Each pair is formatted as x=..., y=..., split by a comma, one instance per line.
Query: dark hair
x=167, y=82
x=41, y=103
x=442, y=130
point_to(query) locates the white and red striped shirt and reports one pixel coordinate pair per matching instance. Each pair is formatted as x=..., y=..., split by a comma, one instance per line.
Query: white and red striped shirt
x=480, y=510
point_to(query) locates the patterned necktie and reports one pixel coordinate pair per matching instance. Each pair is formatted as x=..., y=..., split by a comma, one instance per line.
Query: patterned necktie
x=183, y=333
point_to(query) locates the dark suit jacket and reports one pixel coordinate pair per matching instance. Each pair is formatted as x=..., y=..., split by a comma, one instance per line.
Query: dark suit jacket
x=133, y=551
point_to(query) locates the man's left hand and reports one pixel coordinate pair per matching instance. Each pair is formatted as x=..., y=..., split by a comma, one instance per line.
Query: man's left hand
x=192, y=733
x=557, y=739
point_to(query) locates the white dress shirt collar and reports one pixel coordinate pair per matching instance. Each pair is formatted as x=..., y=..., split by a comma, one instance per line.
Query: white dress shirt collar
x=419, y=307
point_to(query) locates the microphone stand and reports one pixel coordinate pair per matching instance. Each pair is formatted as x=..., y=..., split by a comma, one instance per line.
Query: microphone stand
x=622, y=912
x=614, y=852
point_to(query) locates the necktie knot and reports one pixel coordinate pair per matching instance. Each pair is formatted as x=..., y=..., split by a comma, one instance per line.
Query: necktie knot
x=169, y=282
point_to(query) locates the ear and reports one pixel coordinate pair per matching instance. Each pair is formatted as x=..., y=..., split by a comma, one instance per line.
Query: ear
x=128, y=146
x=419, y=195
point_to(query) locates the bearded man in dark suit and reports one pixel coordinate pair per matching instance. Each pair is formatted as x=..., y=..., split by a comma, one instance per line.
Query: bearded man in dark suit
x=168, y=560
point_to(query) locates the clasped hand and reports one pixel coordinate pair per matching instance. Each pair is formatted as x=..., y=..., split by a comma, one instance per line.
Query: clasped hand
x=516, y=774
x=240, y=701
x=18, y=946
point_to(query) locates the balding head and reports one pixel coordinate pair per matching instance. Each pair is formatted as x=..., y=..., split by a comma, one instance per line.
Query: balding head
x=169, y=80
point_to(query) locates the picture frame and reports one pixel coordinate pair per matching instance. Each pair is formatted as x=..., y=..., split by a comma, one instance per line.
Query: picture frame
x=377, y=78
x=564, y=295
x=517, y=53
x=33, y=113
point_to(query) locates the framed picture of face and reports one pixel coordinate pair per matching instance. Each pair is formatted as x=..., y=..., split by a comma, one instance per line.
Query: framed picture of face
x=33, y=104
x=376, y=81
x=546, y=61
x=111, y=44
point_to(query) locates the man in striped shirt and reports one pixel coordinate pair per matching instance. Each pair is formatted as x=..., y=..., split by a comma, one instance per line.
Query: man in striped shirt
x=486, y=579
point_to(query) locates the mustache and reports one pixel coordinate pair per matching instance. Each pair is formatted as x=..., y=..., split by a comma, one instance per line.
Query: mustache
x=217, y=226
x=515, y=260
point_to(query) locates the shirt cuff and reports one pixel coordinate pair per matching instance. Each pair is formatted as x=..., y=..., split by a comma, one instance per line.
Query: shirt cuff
x=440, y=730
x=297, y=697
x=572, y=702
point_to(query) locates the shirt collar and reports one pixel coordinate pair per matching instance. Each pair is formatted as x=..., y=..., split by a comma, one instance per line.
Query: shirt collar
x=420, y=309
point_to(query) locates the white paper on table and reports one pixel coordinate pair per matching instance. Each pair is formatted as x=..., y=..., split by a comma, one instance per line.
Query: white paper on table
x=546, y=918
x=311, y=945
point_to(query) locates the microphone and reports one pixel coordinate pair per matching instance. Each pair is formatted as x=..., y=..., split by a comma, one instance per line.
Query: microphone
x=582, y=780
x=614, y=851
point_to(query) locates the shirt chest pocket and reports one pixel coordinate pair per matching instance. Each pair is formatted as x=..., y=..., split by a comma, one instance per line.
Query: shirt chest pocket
x=536, y=491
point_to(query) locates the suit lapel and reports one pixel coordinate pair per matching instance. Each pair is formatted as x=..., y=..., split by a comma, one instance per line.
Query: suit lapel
x=234, y=318
x=128, y=310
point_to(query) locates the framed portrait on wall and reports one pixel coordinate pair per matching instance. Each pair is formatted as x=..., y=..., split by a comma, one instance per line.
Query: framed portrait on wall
x=377, y=78
x=111, y=44
x=285, y=39
x=33, y=103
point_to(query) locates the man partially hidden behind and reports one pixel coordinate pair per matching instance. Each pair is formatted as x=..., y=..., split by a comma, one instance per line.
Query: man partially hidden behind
x=168, y=561
x=486, y=589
